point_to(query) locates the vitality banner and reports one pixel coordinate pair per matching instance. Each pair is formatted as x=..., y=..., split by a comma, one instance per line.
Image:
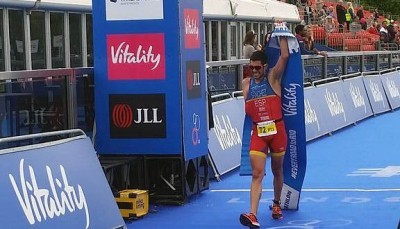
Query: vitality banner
x=293, y=110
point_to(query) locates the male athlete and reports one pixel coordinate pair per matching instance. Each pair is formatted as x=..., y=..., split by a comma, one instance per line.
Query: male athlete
x=262, y=93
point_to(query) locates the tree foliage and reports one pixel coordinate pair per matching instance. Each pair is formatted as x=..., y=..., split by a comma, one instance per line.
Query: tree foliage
x=389, y=7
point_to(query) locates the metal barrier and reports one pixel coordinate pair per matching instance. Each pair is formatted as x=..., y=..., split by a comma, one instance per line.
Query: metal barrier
x=338, y=63
x=46, y=100
x=56, y=99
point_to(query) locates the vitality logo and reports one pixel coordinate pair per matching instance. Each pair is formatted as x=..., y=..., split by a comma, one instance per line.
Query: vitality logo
x=192, y=22
x=137, y=116
x=136, y=56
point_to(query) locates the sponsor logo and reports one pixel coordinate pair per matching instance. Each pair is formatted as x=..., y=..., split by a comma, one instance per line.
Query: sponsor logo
x=310, y=114
x=289, y=104
x=195, y=130
x=122, y=115
x=140, y=204
x=193, y=84
x=137, y=116
x=293, y=153
x=136, y=56
x=41, y=204
x=376, y=92
x=346, y=200
x=388, y=171
x=134, y=10
x=192, y=22
x=227, y=135
x=393, y=90
x=287, y=199
x=334, y=104
x=357, y=97
x=259, y=91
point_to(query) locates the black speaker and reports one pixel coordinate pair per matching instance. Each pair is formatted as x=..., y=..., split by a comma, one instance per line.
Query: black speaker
x=204, y=173
x=191, y=177
x=165, y=180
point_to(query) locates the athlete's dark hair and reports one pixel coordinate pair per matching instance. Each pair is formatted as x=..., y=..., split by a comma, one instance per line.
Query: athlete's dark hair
x=259, y=55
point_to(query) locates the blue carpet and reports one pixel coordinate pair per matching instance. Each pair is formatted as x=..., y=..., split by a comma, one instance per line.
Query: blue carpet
x=352, y=181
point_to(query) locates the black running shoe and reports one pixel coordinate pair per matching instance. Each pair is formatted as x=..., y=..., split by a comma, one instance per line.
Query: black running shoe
x=249, y=220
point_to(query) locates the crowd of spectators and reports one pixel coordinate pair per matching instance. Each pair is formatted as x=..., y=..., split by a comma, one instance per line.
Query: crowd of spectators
x=337, y=16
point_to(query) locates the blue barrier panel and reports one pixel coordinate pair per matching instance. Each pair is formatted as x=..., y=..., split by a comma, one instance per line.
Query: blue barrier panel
x=391, y=85
x=355, y=92
x=334, y=104
x=56, y=185
x=376, y=94
x=225, y=140
x=315, y=116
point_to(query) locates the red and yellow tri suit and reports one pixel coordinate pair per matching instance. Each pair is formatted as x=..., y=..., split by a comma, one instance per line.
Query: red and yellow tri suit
x=263, y=105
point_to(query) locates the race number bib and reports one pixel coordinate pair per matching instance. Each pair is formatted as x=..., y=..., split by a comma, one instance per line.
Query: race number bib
x=266, y=128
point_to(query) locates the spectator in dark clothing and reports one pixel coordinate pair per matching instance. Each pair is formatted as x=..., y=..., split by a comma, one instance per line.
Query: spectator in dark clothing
x=308, y=13
x=341, y=15
x=306, y=48
x=299, y=30
x=363, y=23
x=360, y=13
x=376, y=14
x=391, y=33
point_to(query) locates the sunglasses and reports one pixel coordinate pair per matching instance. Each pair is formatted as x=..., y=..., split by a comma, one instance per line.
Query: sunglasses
x=255, y=67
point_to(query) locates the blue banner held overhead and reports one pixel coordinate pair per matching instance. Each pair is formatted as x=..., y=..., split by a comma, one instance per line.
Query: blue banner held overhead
x=295, y=161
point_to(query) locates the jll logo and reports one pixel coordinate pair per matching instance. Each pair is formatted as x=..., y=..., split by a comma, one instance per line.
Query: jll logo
x=191, y=19
x=144, y=115
x=193, y=79
x=122, y=115
x=136, y=56
x=137, y=116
